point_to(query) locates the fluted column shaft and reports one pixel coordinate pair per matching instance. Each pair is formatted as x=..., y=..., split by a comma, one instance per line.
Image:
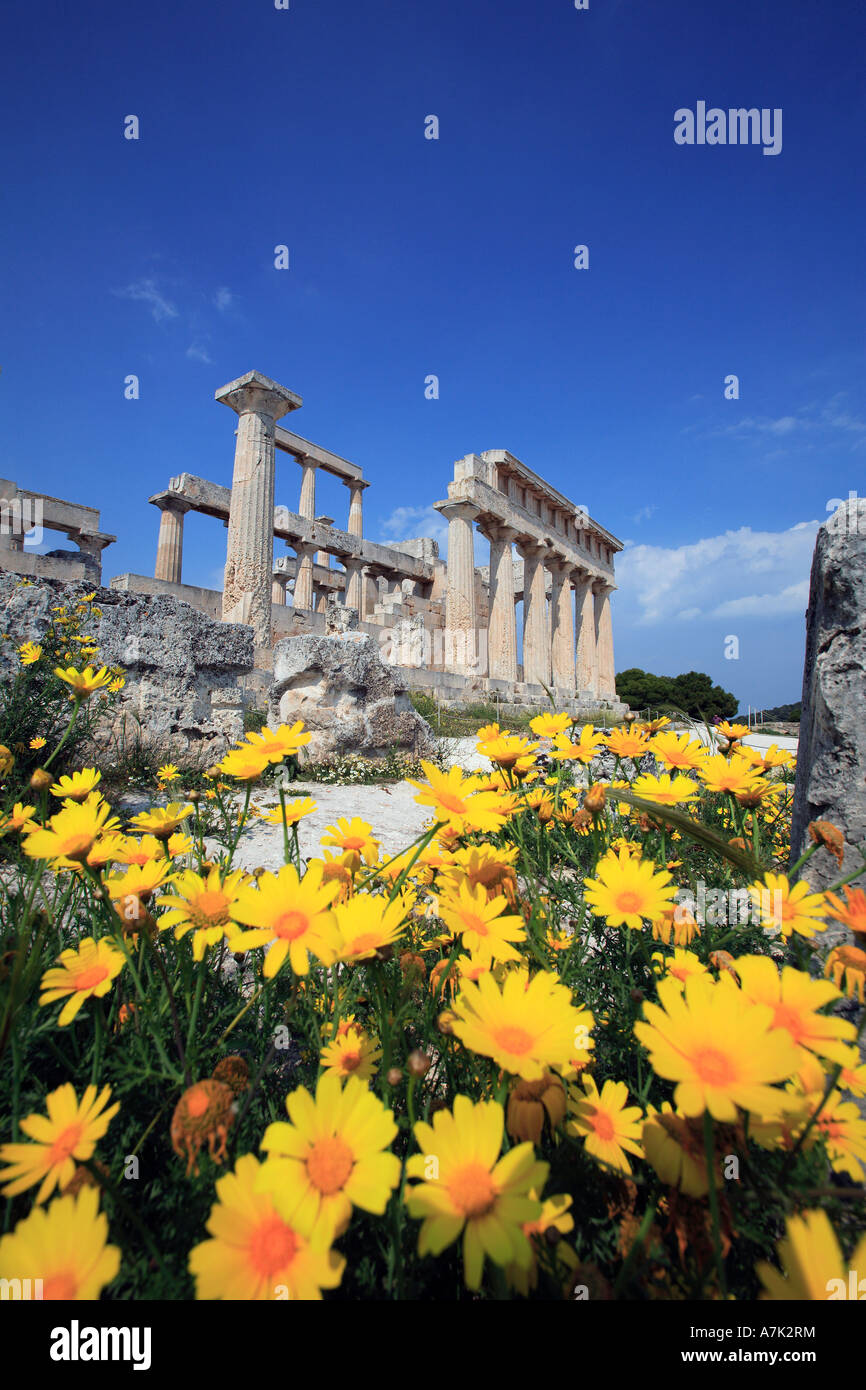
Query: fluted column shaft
x=562, y=627
x=502, y=624
x=307, y=504
x=278, y=589
x=536, y=625
x=304, y=575
x=355, y=586
x=461, y=620
x=258, y=403
x=356, y=508
x=604, y=638
x=169, y=547
x=586, y=666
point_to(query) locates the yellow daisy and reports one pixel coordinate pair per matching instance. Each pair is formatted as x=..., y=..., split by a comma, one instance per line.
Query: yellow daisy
x=333, y=1153
x=63, y=1246
x=81, y=973
x=67, y=1135
x=466, y=1187
x=628, y=890
x=526, y=1025
x=610, y=1127
x=262, y=1247
x=288, y=915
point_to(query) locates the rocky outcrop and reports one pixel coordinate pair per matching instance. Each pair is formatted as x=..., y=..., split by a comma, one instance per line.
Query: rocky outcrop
x=346, y=695
x=183, y=670
x=831, y=760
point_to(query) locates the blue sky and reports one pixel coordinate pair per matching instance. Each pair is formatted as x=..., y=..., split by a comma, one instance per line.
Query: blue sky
x=409, y=256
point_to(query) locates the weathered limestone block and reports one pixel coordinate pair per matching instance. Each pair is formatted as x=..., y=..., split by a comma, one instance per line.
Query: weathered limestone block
x=831, y=759
x=182, y=668
x=347, y=696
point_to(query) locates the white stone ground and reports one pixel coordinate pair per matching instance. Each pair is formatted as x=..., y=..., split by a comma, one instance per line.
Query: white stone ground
x=391, y=810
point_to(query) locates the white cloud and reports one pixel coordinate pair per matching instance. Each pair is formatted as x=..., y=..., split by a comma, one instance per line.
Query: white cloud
x=147, y=292
x=717, y=575
x=408, y=523
x=794, y=598
x=223, y=299
x=198, y=353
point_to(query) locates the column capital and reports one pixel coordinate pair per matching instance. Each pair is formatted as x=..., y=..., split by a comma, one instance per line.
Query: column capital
x=496, y=530
x=463, y=510
x=602, y=587
x=559, y=565
x=355, y=484
x=528, y=548
x=170, y=502
x=259, y=394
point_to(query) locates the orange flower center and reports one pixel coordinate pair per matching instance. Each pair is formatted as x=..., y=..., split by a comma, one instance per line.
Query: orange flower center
x=628, y=900
x=62, y=1286
x=92, y=976
x=76, y=846
x=365, y=943
x=197, y=1102
x=64, y=1144
x=786, y=1017
x=472, y=1190
x=292, y=924
x=514, y=1040
x=329, y=1164
x=273, y=1245
x=351, y=1061
x=602, y=1124
x=449, y=802
x=471, y=922
x=713, y=1067
x=211, y=906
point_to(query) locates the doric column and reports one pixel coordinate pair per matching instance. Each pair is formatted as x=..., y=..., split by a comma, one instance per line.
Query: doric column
x=604, y=639
x=561, y=626
x=169, y=547
x=460, y=611
x=307, y=504
x=322, y=558
x=586, y=666
x=502, y=623
x=536, y=625
x=258, y=402
x=278, y=589
x=355, y=585
x=304, y=574
x=356, y=506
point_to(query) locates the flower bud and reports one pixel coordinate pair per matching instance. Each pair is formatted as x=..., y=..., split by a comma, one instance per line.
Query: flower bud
x=395, y=1076
x=595, y=799
x=40, y=780
x=418, y=1063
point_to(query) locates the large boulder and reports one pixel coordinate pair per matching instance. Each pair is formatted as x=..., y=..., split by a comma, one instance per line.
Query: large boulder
x=182, y=692
x=349, y=699
x=831, y=759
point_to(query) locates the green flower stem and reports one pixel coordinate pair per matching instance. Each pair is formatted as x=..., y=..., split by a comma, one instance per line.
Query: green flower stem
x=709, y=1150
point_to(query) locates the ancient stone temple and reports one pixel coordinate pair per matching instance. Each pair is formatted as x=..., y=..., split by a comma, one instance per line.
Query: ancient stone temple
x=452, y=627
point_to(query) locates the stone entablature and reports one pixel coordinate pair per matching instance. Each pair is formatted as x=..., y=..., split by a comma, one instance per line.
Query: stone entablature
x=26, y=514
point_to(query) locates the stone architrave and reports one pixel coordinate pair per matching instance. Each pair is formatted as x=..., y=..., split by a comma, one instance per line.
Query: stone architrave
x=460, y=609
x=169, y=547
x=831, y=758
x=604, y=641
x=536, y=623
x=586, y=667
x=502, y=622
x=562, y=626
x=258, y=402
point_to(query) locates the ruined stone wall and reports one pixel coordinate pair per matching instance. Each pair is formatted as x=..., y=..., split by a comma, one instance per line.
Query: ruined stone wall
x=186, y=674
